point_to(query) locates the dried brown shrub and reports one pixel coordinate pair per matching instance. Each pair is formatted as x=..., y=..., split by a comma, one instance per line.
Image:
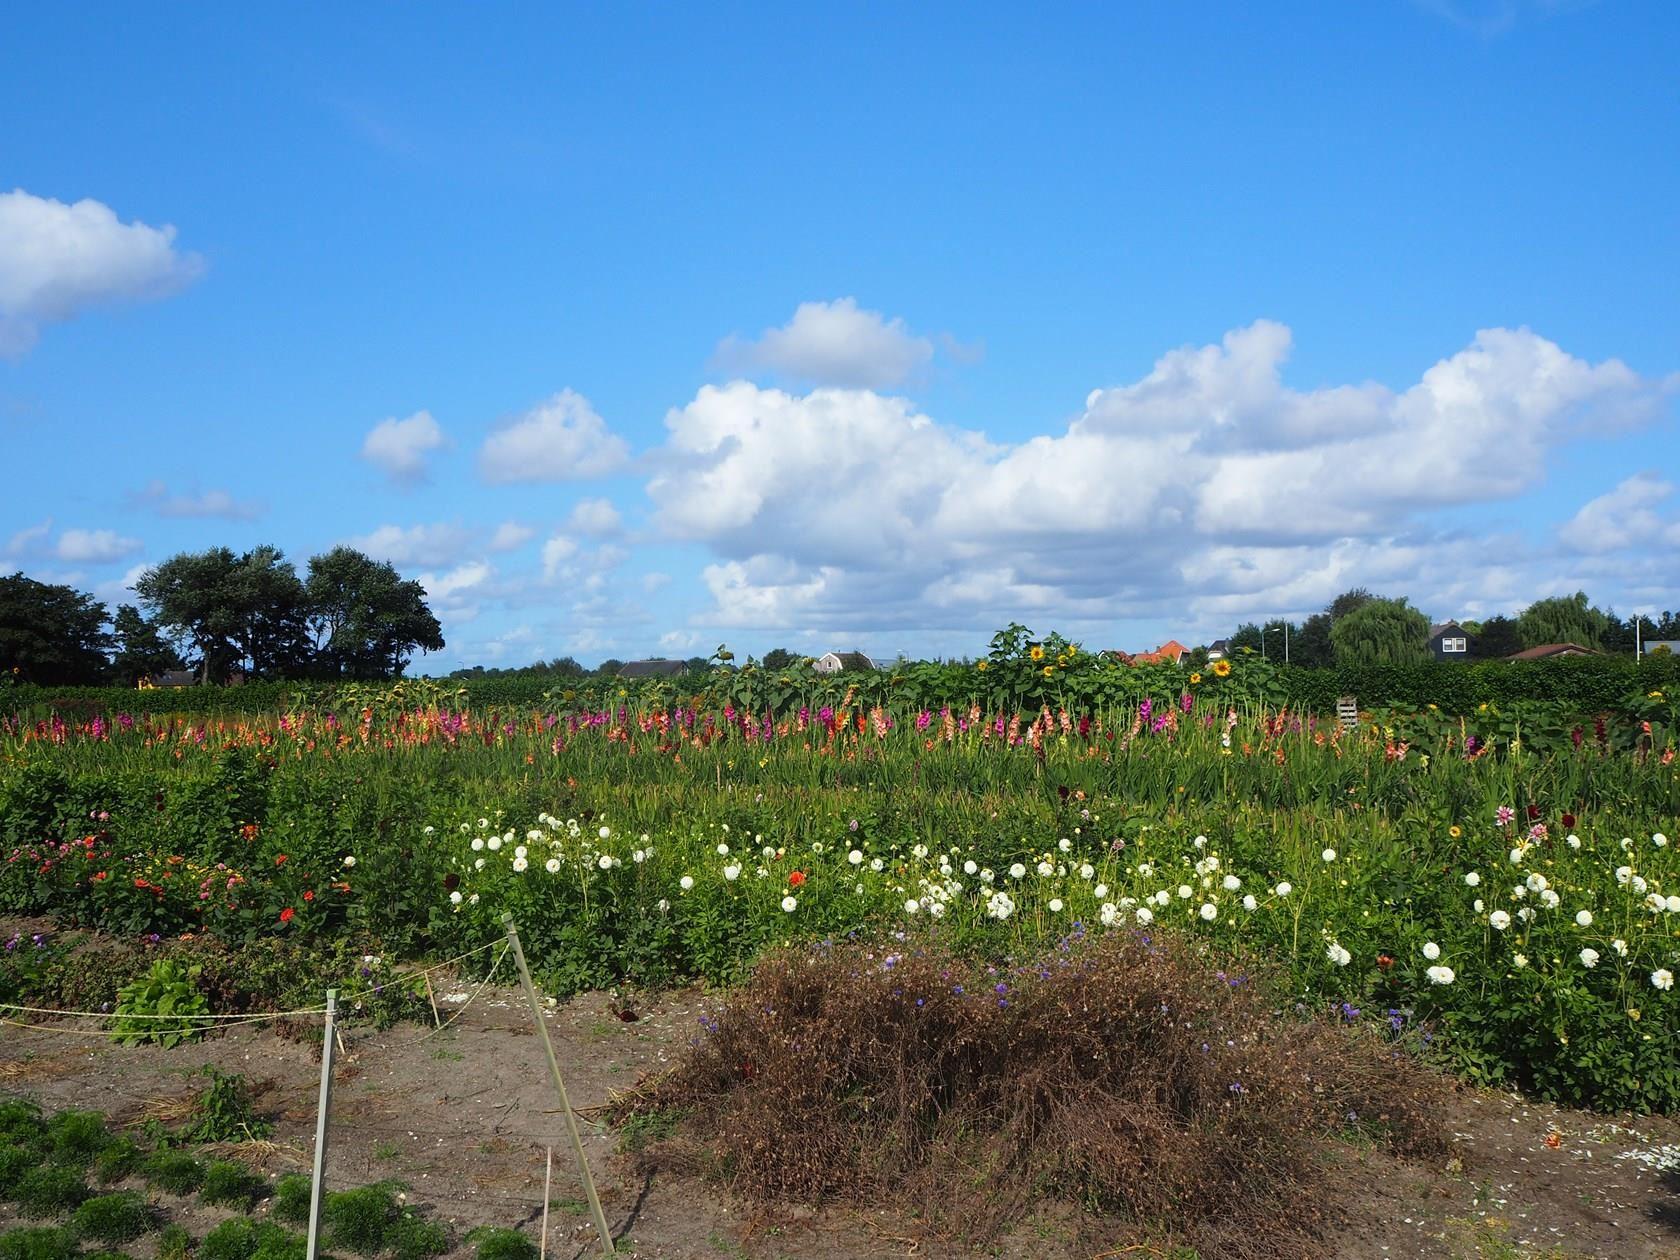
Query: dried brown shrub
x=1126, y=1073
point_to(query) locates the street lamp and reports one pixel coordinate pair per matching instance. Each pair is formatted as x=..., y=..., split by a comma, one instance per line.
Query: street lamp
x=1265, y=630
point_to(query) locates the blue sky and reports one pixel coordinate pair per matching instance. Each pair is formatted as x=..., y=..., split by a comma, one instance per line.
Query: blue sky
x=632, y=330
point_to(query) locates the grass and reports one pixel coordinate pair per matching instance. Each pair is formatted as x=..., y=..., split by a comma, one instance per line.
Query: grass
x=229, y=1184
x=114, y=1218
x=636, y=1131
x=176, y=1172
x=49, y=1191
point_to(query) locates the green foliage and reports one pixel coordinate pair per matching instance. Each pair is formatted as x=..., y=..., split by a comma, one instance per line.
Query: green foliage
x=223, y=1112
x=1563, y=619
x=174, y=1243
x=15, y=1161
x=491, y=1243
x=1381, y=632
x=140, y=649
x=367, y=620
x=358, y=1219
x=413, y=1237
x=235, y=1239
x=40, y=1243
x=291, y=1198
x=114, y=1218
x=175, y=1171
x=49, y=1190
x=77, y=1137
x=274, y=1243
x=229, y=1184
x=158, y=1006
x=20, y=1121
x=118, y=1160
x=50, y=634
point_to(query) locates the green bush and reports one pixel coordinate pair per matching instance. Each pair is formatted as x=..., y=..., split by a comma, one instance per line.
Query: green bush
x=113, y=1218
x=49, y=1190
x=174, y=1243
x=358, y=1219
x=412, y=1237
x=245, y=1239
x=15, y=1161
x=234, y=1239
x=159, y=1005
x=495, y=1243
x=274, y=1243
x=227, y=1184
x=174, y=1171
x=291, y=1198
x=20, y=1121
x=37, y=1244
x=77, y=1137
x=120, y=1157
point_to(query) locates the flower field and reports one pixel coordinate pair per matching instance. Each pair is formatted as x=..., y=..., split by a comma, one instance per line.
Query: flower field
x=1514, y=910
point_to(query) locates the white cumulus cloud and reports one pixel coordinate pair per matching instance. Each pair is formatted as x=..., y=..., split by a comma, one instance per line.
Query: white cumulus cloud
x=1206, y=489
x=597, y=518
x=562, y=439
x=217, y=504
x=94, y=546
x=511, y=535
x=431, y=545
x=832, y=343
x=400, y=447
x=58, y=260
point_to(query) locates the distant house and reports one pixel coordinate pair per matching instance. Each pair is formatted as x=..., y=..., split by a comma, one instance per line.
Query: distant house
x=1449, y=641
x=170, y=678
x=834, y=662
x=1652, y=645
x=1169, y=653
x=652, y=669
x=1547, y=650
x=1219, y=649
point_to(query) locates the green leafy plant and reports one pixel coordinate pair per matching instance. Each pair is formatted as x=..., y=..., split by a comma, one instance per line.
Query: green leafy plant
x=117, y=1160
x=15, y=1161
x=175, y=1171
x=291, y=1198
x=174, y=1243
x=358, y=1219
x=413, y=1237
x=227, y=1184
x=158, y=1006
x=223, y=1112
x=114, y=1218
x=77, y=1137
x=496, y=1243
x=37, y=1244
x=49, y=1190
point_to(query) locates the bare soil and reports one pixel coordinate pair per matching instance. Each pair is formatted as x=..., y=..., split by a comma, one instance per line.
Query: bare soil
x=465, y=1115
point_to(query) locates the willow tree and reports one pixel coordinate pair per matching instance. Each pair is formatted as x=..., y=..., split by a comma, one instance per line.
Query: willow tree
x=1563, y=619
x=1381, y=632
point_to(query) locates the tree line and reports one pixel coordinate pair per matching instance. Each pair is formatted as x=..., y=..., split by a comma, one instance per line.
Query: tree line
x=224, y=615
x=1360, y=628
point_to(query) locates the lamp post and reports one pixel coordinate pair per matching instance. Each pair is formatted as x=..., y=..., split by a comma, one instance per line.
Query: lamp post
x=1265, y=630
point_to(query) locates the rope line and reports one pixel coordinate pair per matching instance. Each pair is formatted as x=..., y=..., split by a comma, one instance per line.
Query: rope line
x=129, y=1032
x=247, y=1017
x=471, y=998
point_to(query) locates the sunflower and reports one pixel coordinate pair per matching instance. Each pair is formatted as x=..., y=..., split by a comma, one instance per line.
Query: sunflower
x=1049, y=671
x=1222, y=668
x=1037, y=653
x=1194, y=679
x=982, y=665
x=1455, y=831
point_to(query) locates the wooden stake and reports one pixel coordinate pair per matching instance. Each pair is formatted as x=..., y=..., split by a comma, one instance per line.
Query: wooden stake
x=601, y=1226
x=329, y=1039
x=548, y=1179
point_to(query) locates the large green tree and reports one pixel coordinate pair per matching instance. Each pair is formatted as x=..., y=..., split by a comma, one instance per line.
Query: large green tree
x=51, y=634
x=1563, y=619
x=1381, y=632
x=233, y=611
x=141, y=651
x=367, y=621
x=1495, y=639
